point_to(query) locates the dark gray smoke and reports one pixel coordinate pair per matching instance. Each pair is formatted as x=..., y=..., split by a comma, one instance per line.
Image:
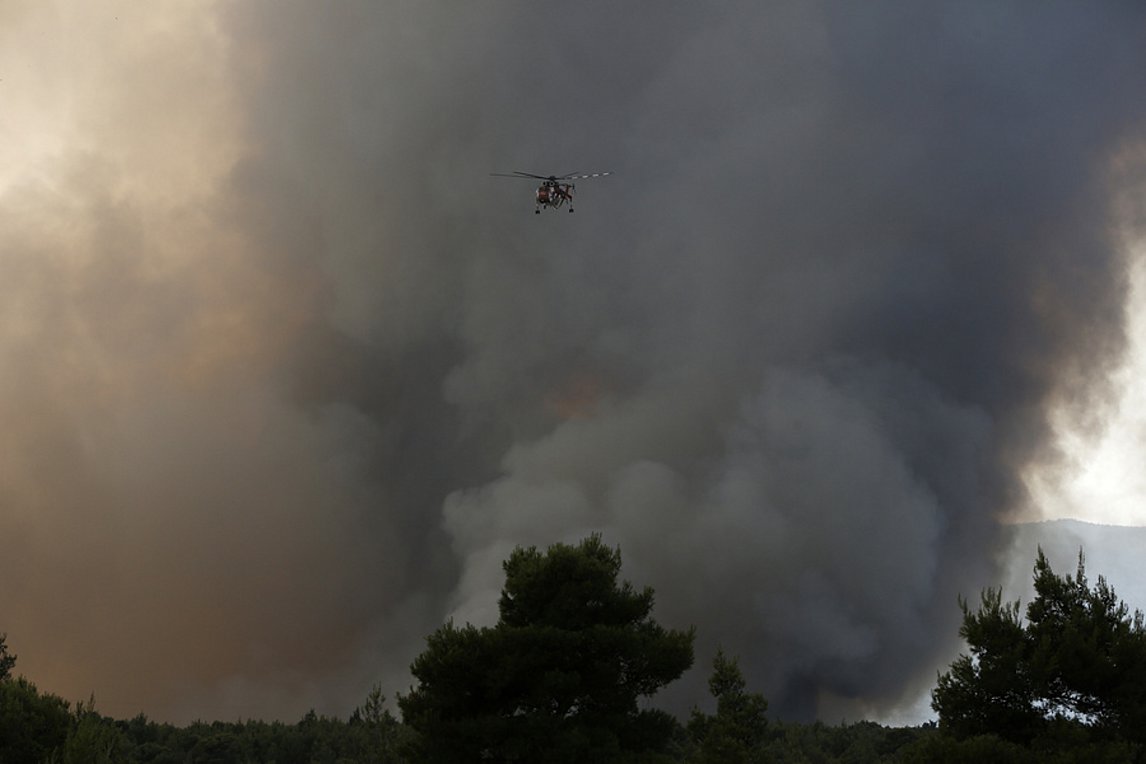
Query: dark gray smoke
x=793, y=358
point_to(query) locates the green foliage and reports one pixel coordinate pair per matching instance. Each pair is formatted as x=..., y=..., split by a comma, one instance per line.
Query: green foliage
x=92, y=739
x=1073, y=675
x=989, y=690
x=32, y=725
x=559, y=676
x=39, y=728
x=382, y=736
x=977, y=749
x=737, y=731
x=859, y=743
x=7, y=660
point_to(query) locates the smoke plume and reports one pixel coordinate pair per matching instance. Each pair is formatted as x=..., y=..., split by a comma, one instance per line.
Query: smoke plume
x=285, y=375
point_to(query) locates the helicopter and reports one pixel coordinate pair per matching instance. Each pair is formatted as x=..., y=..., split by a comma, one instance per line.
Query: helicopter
x=554, y=190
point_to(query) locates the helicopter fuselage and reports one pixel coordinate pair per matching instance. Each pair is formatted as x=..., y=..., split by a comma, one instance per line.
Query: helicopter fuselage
x=554, y=194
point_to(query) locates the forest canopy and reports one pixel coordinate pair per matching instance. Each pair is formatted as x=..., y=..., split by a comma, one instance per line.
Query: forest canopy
x=567, y=673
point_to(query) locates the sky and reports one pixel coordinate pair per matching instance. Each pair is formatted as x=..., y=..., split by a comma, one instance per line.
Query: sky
x=285, y=374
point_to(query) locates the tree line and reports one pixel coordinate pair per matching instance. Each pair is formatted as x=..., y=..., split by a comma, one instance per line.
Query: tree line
x=566, y=673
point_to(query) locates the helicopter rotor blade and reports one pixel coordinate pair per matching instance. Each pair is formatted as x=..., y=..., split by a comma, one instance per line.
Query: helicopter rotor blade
x=576, y=176
x=517, y=174
x=568, y=176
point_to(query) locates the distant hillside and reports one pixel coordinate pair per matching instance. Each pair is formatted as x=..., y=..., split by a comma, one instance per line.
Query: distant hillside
x=1116, y=552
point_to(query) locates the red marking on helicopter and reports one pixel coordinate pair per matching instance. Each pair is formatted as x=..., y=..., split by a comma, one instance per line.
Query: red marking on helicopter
x=555, y=190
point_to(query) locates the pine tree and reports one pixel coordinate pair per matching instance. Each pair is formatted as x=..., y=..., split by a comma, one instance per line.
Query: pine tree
x=1079, y=661
x=559, y=677
x=736, y=733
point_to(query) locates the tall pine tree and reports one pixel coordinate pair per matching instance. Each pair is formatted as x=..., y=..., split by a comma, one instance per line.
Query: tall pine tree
x=1078, y=662
x=559, y=677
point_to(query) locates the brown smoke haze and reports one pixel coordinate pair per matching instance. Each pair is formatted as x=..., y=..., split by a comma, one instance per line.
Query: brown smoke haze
x=284, y=374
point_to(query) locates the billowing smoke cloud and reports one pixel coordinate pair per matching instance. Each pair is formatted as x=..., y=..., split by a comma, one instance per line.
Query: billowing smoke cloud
x=285, y=375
